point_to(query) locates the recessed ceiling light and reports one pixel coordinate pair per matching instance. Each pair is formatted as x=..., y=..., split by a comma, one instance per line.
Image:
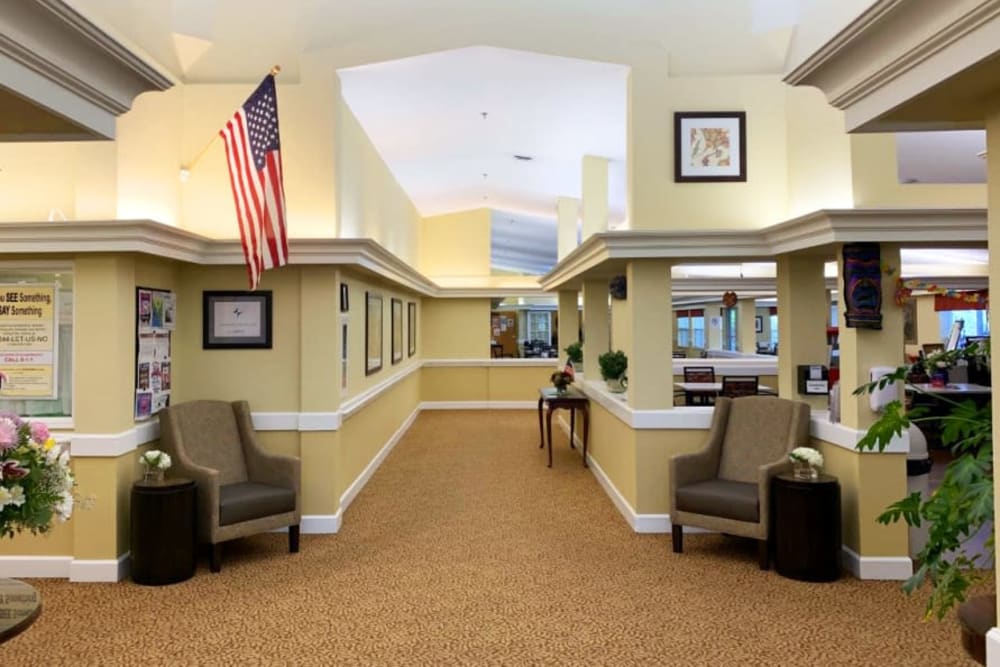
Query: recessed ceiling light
x=526, y=158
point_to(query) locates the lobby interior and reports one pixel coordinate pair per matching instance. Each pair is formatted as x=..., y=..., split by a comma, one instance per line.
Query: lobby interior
x=403, y=187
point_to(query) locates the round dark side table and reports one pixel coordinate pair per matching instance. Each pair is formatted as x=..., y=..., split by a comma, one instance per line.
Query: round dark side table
x=806, y=527
x=163, y=531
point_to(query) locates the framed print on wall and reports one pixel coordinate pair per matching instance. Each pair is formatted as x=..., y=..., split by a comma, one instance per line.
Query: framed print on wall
x=411, y=328
x=236, y=319
x=345, y=294
x=397, y=330
x=758, y=323
x=373, y=333
x=710, y=146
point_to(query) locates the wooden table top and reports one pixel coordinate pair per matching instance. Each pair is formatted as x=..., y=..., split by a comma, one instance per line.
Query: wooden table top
x=20, y=605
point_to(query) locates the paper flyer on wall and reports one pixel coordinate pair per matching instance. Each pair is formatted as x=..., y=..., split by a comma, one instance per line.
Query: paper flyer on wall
x=28, y=341
x=156, y=316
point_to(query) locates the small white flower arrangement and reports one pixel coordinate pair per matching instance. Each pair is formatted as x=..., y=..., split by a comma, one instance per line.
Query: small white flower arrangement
x=155, y=462
x=806, y=455
x=154, y=458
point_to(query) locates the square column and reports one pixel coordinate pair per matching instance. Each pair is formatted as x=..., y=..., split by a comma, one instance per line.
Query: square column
x=596, y=324
x=861, y=349
x=569, y=319
x=595, y=195
x=746, y=311
x=993, y=237
x=803, y=307
x=568, y=212
x=649, y=323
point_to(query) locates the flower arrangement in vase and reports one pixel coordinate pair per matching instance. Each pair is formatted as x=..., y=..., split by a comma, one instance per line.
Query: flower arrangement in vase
x=806, y=462
x=154, y=463
x=36, y=483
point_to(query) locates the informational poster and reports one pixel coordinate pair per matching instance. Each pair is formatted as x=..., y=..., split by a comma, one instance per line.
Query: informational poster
x=28, y=341
x=155, y=320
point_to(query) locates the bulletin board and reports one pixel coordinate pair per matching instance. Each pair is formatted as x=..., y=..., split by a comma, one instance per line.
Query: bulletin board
x=156, y=316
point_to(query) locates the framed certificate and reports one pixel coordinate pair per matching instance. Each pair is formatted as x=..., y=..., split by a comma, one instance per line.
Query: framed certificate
x=234, y=319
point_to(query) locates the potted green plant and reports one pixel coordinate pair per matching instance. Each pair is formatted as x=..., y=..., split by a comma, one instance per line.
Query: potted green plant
x=613, y=366
x=961, y=505
x=575, y=353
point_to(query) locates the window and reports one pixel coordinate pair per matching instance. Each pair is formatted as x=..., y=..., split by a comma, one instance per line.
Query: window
x=540, y=326
x=974, y=322
x=46, y=379
x=689, y=328
x=730, y=330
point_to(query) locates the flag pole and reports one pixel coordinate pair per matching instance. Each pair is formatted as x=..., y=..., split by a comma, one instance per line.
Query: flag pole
x=186, y=169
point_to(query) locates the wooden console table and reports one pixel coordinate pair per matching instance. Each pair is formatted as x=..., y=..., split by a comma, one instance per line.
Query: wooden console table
x=20, y=605
x=572, y=399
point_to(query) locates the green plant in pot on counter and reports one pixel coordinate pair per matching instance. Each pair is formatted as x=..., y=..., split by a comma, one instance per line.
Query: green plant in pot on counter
x=575, y=353
x=961, y=506
x=613, y=366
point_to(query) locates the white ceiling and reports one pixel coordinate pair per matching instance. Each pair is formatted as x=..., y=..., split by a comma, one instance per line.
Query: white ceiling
x=450, y=124
x=941, y=157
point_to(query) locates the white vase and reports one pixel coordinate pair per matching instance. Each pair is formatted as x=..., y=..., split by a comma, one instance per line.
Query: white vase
x=615, y=385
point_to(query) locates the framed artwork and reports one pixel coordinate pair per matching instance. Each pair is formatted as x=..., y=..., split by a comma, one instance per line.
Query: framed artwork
x=397, y=330
x=345, y=294
x=411, y=328
x=710, y=146
x=910, y=322
x=758, y=323
x=373, y=333
x=236, y=319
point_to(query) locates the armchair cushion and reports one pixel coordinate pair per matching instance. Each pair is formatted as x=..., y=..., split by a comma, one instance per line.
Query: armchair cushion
x=245, y=501
x=719, y=497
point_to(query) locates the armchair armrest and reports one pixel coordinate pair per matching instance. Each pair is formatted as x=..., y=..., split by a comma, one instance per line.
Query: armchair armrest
x=703, y=464
x=262, y=466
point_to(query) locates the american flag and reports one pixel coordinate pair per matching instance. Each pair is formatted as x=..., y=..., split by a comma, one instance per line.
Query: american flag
x=253, y=152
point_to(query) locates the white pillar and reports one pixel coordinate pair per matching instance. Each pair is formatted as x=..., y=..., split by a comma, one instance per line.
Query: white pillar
x=595, y=195
x=568, y=209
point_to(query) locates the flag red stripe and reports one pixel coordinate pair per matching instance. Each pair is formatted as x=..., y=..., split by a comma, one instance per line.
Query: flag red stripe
x=243, y=214
x=280, y=193
x=277, y=217
x=249, y=172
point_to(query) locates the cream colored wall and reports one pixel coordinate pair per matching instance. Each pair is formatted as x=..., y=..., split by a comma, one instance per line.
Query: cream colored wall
x=79, y=180
x=518, y=383
x=483, y=383
x=660, y=203
x=371, y=202
x=357, y=380
x=869, y=483
x=928, y=321
x=876, y=182
x=455, y=244
x=455, y=329
x=819, y=153
x=149, y=157
x=365, y=433
x=653, y=452
x=612, y=446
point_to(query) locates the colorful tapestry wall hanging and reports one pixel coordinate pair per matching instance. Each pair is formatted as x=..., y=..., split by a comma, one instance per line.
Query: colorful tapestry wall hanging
x=862, y=286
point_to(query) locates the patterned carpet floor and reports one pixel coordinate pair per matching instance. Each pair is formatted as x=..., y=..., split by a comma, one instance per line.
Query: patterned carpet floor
x=464, y=549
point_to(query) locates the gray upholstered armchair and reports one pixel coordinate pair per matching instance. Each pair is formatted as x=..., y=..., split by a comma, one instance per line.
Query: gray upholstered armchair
x=726, y=485
x=242, y=490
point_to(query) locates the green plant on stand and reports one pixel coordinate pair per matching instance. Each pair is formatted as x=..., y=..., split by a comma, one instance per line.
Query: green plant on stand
x=613, y=366
x=574, y=352
x=961, y=506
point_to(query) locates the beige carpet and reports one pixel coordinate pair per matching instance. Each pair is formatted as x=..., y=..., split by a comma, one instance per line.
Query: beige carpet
x=465, y=549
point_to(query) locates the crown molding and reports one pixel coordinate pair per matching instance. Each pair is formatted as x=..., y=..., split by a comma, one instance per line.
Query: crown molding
x=606, y=253
x=897, y=50
x=54, y=57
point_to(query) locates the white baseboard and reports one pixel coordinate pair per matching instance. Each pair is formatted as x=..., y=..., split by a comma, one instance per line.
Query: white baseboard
x=100, y=570
x=319, y=524
x=882, y=568
x=479, y=405
x=362, y=479
x=993, y=647
x=35, y=567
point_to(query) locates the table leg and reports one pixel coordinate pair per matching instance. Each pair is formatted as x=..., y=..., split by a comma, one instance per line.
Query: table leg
x=548, y=431
x=586, y=432
x=541, y=433
x=572, y=427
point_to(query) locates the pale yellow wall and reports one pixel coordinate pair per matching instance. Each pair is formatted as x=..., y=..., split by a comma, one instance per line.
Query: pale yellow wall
x=928, y=321
x=149, y=157
x=103, y=343
x=455, y=329
x=654, y=448
x=455, y=244
x=365, y=433
x=449, y=383
x=79, y=180
x=358, y=286
x=660, y=203
x=819, y=153
x=518, y=383
x=371, y=202
x=612, y=445
x=876, y=181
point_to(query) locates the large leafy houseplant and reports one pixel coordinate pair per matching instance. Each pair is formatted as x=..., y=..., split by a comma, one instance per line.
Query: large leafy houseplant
x=962, y=505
